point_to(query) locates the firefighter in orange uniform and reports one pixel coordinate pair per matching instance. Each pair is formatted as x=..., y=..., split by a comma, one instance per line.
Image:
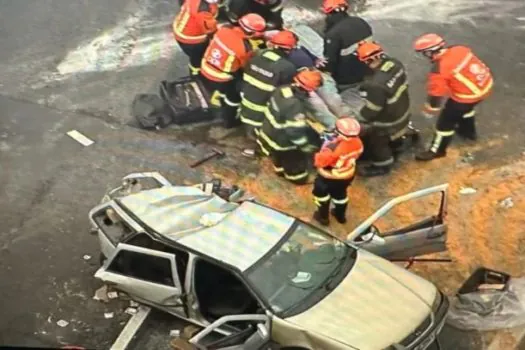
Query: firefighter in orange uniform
x=460, y=74
x=192, y=28
x=223, y=62
x=336, y=165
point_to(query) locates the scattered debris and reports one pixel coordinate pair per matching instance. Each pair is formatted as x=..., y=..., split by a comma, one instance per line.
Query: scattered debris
x=82, y=139
x=507, y=203
x=62, y=323
x=133, y=303
x=112, y=295
x=87, y=257
x=175, y=333
x=109, y=315
x=131, y=311
x=49, y=319
x=467, y=190
x=468, y=158
x=101, y=294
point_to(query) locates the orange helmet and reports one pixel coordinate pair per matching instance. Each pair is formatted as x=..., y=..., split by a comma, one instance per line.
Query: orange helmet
x=309, y=79
x=429, y=44
x=252, y=23
x=347, y=126
x=285, y=39
x=367, y=51
x=330, y=6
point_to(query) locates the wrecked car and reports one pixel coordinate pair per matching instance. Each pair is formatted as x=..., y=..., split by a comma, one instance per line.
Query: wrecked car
x=251, y=275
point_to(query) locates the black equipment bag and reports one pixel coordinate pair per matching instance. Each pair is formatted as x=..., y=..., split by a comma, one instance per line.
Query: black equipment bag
x=188, y=100
x=150, y=112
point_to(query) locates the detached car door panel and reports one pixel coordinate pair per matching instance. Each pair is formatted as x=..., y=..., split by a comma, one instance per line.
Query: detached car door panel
x=147, y=274
x=419, y=238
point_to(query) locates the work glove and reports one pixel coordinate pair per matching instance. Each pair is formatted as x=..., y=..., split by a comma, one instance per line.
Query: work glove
x=309, y=149
x=321, y=62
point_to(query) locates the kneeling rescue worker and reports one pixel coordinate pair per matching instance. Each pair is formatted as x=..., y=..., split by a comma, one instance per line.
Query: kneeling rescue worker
x=223, y=61
x=192, y=28
x=336, y=163
x=285, y=133
x=460, y=74
x=342, y=35
x=386, y=113
x=267, y=70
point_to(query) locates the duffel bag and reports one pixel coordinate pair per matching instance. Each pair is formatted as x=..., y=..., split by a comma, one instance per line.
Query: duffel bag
x=188, y=100
x=150, y=112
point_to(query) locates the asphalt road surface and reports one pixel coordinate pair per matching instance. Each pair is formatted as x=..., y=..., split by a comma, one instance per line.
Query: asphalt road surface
x=77, y=65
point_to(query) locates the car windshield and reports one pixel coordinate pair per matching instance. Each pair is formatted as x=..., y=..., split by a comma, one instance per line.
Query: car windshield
x=302, y=266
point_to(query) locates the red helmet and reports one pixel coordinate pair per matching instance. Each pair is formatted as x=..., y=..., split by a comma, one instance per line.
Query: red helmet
x=285, y=39
x=429, y=43
x=348, y=127
x=367, y=50
x=309, y=79
x=252, y=23
x=330, y=6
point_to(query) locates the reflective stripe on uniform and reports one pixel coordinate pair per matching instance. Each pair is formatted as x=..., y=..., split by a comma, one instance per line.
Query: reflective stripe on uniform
x=221, y=76
x=296, y=177
x=272, y=56
x=319, y=200
x=438, y=138
x=389, y=161
x=277, y=8
x=249, y=121
x=373, y=106
x=340, y=201
x=352, y=48
x=334, y=174
x=273, y=145
x=230, y=103
x=469, y=114
x=428, y=107
x=257, y=83
x=288, y=124
x=398, y=94
x=300, y=141
x=194, y=70
x=278, y=170
x=476, y=91
x=215, y=98
x=394, y=123
x=180, y=23
x=254, y=107
x=263, y=149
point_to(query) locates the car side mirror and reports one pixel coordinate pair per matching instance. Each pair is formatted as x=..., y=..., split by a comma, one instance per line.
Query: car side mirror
x=367, y=237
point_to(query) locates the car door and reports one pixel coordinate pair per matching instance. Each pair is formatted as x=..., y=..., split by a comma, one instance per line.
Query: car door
x=145, y=274
x=255, y=336
x=423, y=236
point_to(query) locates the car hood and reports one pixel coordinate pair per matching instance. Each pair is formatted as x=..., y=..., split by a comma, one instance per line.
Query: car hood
x=376, y=305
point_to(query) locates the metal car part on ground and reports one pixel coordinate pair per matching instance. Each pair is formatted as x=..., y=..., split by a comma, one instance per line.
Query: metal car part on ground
x=250, y=274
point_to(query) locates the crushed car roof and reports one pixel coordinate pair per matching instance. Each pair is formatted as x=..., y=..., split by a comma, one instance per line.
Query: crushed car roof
x=243, y=235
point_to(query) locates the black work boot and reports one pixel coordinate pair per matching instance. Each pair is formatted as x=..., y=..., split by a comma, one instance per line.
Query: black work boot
x=339, y=213
x=229, y=117
x=437, y=150
x=373, y=170
x=467, y=129
x=321, y=215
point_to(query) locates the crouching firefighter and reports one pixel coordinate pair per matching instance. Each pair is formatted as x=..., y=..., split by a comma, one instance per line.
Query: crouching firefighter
x=385, y=115
x=223, y=62
x=336, y=164
x=192, y=29
x=285, y=134
x=460, y=74
x=267, y=70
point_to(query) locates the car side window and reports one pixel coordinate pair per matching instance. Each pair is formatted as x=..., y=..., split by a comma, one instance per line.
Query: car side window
x=143, y=266
x=181, y=257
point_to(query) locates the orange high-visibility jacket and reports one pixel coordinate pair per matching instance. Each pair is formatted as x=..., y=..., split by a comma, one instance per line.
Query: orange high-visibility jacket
x=459, y=74
x=195, y=21
x=227, y=53
x=337, y=158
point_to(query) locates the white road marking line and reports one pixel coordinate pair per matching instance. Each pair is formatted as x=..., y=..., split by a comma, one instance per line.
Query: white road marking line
x=82, y=139
x=131, y=328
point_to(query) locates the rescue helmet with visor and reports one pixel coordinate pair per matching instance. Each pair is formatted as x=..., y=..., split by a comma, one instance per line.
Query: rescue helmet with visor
x=347, y=127
x=429, y=44
x=252, y=24
x=330, y=6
